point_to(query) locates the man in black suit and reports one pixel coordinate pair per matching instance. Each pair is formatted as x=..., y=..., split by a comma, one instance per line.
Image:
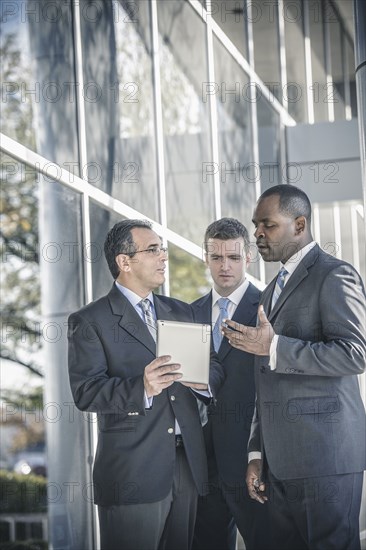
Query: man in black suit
x=307, y=445
x=150, y=463
x=226, y=434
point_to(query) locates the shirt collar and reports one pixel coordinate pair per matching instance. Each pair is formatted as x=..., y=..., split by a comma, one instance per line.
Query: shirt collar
x=235, y=296
x=131, y=296
x=296, y=258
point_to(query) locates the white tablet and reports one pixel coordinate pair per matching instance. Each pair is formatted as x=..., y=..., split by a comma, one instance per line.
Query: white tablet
x=189, y=345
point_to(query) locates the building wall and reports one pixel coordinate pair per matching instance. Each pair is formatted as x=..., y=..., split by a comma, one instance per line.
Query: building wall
x=181, y=112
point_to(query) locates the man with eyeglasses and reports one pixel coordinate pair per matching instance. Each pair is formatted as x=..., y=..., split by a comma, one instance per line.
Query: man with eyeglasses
x=150, y=465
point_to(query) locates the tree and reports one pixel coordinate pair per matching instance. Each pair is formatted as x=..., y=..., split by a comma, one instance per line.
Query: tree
x=19, y=276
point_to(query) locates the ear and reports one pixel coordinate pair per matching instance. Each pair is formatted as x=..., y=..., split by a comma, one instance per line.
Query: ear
x=300, y=224
x=247, y=259
x=123, y=262
x=206, y=258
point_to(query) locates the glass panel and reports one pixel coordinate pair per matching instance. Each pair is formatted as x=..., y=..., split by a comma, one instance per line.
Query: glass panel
x=271, y=171
x=319, y=84
x=295, y=91
x=20, y=273
x=238, y=174
x=119, y=101
x=19, y=86
x=337, y=64
x=327, y=240
x=266, y=44
x=189, y=278
x=230, y=16
x=350, y=55
x=361, y=241
x=346, y=233
x=101, y=221
x=185, y=118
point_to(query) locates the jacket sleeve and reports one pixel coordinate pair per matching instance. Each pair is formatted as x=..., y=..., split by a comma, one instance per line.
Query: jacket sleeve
x=342, y=348
x=92, y=388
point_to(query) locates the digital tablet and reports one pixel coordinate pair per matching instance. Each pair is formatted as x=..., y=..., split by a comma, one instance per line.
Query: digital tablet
x=189, y=345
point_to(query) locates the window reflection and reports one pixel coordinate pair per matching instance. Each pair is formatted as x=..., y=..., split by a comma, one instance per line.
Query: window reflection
x=183, y=69
x=238, y=174
x=19, y=87
x=266, y=44
x=295, y=91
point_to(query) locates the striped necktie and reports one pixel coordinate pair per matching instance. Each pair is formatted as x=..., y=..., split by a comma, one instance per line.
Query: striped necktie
x=148, y=316
x=223, y=304
x=280, y=283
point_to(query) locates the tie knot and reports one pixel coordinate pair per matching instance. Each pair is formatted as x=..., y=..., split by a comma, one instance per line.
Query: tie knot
x=145, y=304
x=223, y=303
x=282, y=273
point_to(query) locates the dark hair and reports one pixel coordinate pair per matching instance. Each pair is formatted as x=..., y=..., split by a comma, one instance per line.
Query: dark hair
x=225, y=229
x=293, y=201
x=119, y=241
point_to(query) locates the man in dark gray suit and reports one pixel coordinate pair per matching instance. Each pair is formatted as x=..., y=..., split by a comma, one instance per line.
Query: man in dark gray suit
x=228, y=504
x=307, y=445
x=150, y=463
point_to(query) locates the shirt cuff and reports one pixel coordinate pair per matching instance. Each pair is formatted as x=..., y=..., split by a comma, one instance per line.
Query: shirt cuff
x=148, y=401
x=254, y=455
x=204, y=393
x=273, y=353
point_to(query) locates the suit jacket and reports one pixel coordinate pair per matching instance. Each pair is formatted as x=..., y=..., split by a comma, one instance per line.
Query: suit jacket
x=311, y=419
x=109, y=348
x=229, y=422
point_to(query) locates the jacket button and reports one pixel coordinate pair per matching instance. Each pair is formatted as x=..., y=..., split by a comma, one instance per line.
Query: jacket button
x=170, y=430
x=172, y=398
x=263, y=369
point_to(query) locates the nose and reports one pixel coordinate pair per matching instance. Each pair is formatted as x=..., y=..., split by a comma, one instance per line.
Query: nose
x=225, y=263
x=258, y=232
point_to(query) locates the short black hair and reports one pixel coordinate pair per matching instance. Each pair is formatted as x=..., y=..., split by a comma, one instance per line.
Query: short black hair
x=119, y=241
x=293, y=201
x=225, y=229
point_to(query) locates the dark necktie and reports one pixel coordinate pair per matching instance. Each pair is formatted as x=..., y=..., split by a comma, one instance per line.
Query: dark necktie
x=280, y=283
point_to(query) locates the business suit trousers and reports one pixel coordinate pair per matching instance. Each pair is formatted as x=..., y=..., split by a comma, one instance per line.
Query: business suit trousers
x=164, y=525
x=318, y=513
x=225, y=509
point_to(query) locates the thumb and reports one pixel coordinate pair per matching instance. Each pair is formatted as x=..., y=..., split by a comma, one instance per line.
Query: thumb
x=262, y=316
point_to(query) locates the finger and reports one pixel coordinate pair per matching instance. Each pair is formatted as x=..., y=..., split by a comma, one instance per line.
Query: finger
x=168, y=379
x=166, y=369
x=262, y=316
x=234, y=326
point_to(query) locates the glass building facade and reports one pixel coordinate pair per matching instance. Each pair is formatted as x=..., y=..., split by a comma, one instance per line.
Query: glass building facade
x=176, y=111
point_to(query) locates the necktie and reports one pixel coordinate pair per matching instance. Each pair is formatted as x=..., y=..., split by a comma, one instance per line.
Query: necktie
x=148, y=316
x=280, y=283
x=223, y=304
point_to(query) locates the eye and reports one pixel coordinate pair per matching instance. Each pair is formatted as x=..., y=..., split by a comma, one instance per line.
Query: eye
x=215, y=258
x=235, y=258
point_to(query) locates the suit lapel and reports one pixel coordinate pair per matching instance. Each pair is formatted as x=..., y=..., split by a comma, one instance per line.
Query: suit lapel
x=129, y=320
x=243, y=314
x=298, y=275
x=162, y=309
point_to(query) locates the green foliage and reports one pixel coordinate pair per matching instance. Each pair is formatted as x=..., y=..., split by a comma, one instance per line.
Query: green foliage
x=188, y=279
x=22, y=494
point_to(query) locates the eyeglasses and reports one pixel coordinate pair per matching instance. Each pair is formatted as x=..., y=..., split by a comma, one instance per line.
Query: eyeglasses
x=154, y=250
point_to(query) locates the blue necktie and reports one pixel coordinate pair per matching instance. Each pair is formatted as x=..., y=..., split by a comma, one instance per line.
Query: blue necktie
x=280, y=283
x=223, y=304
